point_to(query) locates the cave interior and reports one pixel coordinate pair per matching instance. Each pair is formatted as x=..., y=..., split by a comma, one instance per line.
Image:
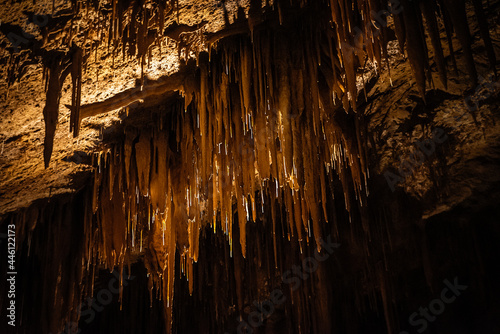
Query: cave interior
x=250, y=166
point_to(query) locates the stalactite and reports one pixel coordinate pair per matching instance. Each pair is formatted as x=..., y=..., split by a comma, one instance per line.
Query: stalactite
x=485, y=33
x=400, y=30
x=429, y=11
x=76, y=77
x=449, y=32
x=58, y=72
x=415, y=45
x=143, y=160
x=458, y=16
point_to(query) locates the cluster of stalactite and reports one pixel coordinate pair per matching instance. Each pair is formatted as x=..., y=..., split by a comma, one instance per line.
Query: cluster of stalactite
x=335, y=48
x=260, y=124
x=351, y=33
x=262, y=121
x=54, y=261
x=364, y=280
x=356, y=31
x=126, y=28
x=363, y=31
x=72, y=37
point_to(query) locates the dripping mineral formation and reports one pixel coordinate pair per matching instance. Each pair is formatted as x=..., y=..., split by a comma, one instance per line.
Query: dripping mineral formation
x=169, y=166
